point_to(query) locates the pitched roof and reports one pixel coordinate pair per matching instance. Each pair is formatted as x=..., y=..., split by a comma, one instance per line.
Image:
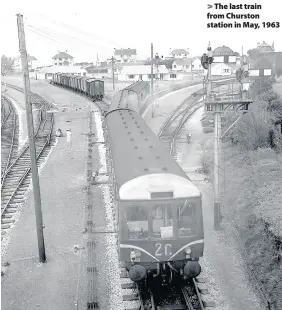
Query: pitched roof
x=183, y=61
x=127, y=52
x=179, y=51
x=62, y=55
x=222, y=51
x=143, y=69
x=264, y=47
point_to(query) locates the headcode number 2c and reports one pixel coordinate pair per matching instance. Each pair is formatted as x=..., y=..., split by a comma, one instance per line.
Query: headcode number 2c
x=167, y=248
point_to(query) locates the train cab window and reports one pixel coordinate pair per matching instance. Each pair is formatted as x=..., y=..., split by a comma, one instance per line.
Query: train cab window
x=162, y=219
x=137, y=222
x=186, y=218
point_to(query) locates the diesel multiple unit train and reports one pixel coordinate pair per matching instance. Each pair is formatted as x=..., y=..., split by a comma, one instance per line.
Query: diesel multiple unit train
x=90, y=87
x=160, y=210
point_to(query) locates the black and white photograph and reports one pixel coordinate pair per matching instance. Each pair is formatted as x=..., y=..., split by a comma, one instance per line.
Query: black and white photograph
x=141, y=155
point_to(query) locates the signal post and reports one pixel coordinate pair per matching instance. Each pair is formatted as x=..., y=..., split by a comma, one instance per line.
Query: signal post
x=217, y=106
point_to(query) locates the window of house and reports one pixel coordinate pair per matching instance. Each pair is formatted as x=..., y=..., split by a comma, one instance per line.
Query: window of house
x=125, y=60
x=60, y=58
x=140, y=77
x=173, y=76
x=225, y=70
x=131, y=76
x=185, y=54
x=175, y=66
x=149, y=76
x=55, y=63
x=187, y=66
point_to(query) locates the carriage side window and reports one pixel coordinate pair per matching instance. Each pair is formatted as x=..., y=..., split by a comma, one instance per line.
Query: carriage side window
x=137, y=222
x=186, y=218
x=162, y=217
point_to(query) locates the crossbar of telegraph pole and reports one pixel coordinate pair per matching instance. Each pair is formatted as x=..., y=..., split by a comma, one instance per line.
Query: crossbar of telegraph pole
x=34, y=171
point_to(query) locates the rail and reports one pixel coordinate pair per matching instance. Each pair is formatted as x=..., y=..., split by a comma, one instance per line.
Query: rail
x=21, y=161
x=13, y=137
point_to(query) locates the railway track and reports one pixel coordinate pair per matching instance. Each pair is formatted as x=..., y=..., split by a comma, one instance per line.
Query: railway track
x=16, y=178
x=175, y=122
x=9, y=134
x=173, y=125
x=180, y=295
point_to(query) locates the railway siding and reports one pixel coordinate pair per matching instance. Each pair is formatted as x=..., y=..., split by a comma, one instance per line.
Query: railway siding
x=61, y=184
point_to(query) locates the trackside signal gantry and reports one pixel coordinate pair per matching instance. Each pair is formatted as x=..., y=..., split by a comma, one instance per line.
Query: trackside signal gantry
x=217, y=106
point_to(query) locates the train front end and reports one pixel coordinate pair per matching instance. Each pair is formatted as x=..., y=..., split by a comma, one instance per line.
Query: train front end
x=162, y=236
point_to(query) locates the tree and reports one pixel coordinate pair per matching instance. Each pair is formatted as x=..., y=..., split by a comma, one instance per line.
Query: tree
x=7, y=65
x=253, y=53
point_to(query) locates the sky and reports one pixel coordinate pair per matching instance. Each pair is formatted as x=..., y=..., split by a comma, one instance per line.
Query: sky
x=98, y=26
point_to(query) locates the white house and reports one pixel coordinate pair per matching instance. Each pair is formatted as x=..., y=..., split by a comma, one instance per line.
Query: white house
x=46, y=73
x=225, y=62
x=182, y=64
x=196, y=65
x=62, y=59
x=180, y=53
x=125, y=55
x=143, y=73
x=32, y=63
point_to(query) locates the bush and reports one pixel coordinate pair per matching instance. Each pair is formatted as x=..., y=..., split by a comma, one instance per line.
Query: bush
x=253, y=130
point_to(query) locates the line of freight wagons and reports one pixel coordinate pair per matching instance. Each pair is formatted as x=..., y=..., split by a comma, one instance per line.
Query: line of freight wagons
x=89, y=86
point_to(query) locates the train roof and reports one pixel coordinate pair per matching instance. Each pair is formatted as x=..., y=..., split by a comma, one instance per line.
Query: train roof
x=137, y=152
x=137, y=86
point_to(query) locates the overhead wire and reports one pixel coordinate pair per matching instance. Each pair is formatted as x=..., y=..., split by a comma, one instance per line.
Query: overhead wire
x=62, y=36
x=113, y=43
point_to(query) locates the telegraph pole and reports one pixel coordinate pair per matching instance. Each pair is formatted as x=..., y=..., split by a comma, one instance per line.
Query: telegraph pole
x=113, y=71
x=34, y=171
x=152, y=78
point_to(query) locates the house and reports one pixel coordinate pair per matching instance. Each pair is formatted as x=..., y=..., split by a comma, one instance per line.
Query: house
x=105, y=71
x=264, y=47
x=180, y=53
x=196, y=65
x=225, y=61
x=45, y=73
x=62, y=59
x=143, y=73
x=32, y=63
x=125, y=55
x=182, y=64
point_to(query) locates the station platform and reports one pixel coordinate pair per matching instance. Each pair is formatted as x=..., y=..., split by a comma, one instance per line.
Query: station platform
x=26, y=283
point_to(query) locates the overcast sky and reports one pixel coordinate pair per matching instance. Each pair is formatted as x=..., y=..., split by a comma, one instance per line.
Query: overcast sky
x=100, y=26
